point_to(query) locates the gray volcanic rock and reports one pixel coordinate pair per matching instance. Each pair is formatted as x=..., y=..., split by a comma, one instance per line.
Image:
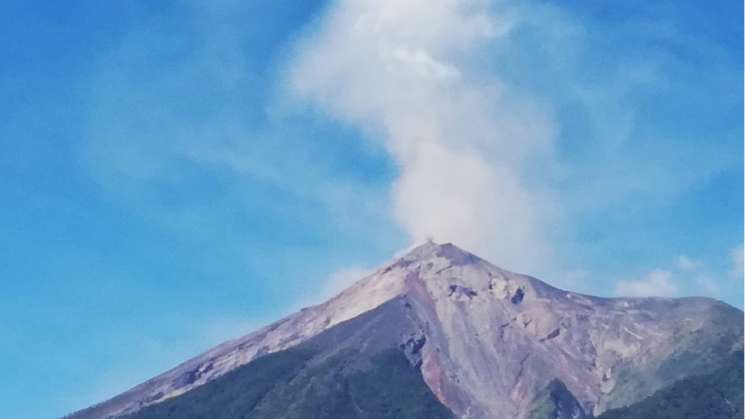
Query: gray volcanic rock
x=491, y=343
x=364, y=368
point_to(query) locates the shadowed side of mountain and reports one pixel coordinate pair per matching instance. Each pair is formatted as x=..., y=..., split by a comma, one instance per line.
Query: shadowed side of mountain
x=557, y=402
x=717, y=395
x=367, y=367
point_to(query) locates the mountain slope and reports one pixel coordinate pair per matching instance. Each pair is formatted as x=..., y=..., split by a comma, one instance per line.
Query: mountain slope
x=362, y=368
x=491, y=343
x=717, y=395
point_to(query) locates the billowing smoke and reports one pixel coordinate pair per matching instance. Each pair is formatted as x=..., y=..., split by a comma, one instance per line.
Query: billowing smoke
x=410, y=74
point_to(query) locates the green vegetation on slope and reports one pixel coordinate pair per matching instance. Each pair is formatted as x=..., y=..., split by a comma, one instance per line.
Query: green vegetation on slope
x=556, y=402
x=718, y=395
x=292, y=384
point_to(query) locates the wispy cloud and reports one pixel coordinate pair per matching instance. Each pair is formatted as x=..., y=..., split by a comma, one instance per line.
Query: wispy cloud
x=336, y=282
x=180, y=132
x=736, y=256
x=511, y=124
x=406, y=73
x=657, y=283
x=686, y=263
x=686, y=276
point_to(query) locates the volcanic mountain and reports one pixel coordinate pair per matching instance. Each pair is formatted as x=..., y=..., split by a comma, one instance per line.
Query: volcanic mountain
x=441, y=333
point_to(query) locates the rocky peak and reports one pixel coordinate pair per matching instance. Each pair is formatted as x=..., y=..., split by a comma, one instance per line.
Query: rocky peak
x=447, y=270
x=431, y=250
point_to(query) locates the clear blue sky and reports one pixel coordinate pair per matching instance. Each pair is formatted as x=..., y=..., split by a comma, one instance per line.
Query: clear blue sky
x=161, y=194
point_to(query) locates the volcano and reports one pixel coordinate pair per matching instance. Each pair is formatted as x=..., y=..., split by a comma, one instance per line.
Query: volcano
x=442, y=333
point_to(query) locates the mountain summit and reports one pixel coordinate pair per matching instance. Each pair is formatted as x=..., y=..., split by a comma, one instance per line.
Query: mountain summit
x=440, y=332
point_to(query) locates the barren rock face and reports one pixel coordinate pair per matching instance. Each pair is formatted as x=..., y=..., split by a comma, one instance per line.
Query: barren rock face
x=491, y=343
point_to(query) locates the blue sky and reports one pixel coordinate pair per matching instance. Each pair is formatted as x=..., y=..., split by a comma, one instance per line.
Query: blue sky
x=173, y=175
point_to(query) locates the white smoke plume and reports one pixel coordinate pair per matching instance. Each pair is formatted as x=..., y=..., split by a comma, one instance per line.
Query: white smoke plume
x=409, y=74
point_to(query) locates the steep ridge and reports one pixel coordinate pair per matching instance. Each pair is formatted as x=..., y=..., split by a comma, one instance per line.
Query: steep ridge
x=496, y=343
x=367, y=367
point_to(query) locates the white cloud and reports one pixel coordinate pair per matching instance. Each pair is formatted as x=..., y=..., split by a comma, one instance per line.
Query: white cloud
x=341, y=279
x=686, y=263
x=657, y=283
x=687, y=276
x=736, y=256
x=573, y=279
x=463, y=140
x=336, y=282
x=708, y=285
